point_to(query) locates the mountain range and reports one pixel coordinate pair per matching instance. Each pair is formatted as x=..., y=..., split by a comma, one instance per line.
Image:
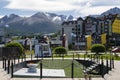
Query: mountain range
x=114, y=10
x=37, y=23
x=40, y=22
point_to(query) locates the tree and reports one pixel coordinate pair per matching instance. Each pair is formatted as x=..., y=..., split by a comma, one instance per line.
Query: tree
x=60, y=51
x=97, y=48
x=16, y=44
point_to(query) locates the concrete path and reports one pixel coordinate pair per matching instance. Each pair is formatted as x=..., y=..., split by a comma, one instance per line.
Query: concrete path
x=113, y=75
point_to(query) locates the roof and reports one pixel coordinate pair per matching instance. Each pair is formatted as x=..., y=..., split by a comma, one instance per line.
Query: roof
x=79, y=19
x=116, y=50
x=68, y=22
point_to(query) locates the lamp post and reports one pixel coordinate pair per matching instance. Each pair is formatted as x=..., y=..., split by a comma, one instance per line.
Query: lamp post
x=64, y=40
x=115, y=41
x=5, y=32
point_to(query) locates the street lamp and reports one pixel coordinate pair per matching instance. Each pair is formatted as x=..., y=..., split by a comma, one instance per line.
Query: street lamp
x=64, y=40
x=115, y=41
x=5, y=32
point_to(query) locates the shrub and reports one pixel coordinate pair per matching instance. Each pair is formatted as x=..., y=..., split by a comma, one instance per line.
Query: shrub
x=60, y=50
x=15, y=44
x=98, y=48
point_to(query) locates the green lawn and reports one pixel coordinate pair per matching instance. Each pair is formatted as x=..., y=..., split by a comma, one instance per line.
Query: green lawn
x=27, y=52
x=88, y=56
x=64, y=64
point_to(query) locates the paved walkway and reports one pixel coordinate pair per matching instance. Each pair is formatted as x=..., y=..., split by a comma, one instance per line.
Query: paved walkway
x=113, y=75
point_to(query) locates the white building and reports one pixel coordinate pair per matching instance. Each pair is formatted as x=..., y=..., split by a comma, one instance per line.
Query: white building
x=42, y=50
x=74, y=31
x=67, y=29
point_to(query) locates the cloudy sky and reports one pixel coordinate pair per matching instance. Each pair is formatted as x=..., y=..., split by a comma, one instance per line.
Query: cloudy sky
x=66, y=7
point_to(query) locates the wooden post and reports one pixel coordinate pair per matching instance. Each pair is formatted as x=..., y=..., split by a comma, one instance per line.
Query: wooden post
x=5, y=65
x=84, y=63
x=8, y=70
x=72, y=70
x=110, y=63
x=3, y=62
x=107, y=64
x=41, y=69
x=102, y=68
x=12, y=69
x=113, y=62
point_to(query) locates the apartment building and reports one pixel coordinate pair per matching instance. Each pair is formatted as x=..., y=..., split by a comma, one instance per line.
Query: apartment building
x=76, y=31
x=116, y=31
x=90, y=25
x=2, y=37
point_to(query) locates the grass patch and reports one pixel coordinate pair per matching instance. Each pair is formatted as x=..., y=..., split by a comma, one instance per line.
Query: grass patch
x=88, y=56
x=66, y=65
x=28, y=52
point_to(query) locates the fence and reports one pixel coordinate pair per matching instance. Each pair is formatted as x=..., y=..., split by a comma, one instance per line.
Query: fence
x=8, y=60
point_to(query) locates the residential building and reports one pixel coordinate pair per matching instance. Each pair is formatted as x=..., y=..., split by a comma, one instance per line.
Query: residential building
x=90, y=25
x=74, y=31
x=94, y=26
x=2, y=37
x=68, y=28
x=116, y=30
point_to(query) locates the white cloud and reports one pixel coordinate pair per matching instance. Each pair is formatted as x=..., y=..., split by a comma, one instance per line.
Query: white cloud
x=40, y=5
x=104, y=2
x=94, y=10
x=1, y=16
x=81, y=7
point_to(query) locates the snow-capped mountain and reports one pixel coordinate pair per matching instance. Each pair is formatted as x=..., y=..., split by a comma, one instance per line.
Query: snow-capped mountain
x=39, y=22
x=114, y=10
x=69, y=18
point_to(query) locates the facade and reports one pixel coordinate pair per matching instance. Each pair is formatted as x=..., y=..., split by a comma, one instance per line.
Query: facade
x=116, y=25
x=116, y=31
x=68, y=28
x=76, y=31
x=2, y=37
x=90, y=25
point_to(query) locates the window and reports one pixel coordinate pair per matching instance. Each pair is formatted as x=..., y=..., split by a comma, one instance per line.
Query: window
x=73, y=29
x=78, y=25
x=105, y=30
x=78, y=29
